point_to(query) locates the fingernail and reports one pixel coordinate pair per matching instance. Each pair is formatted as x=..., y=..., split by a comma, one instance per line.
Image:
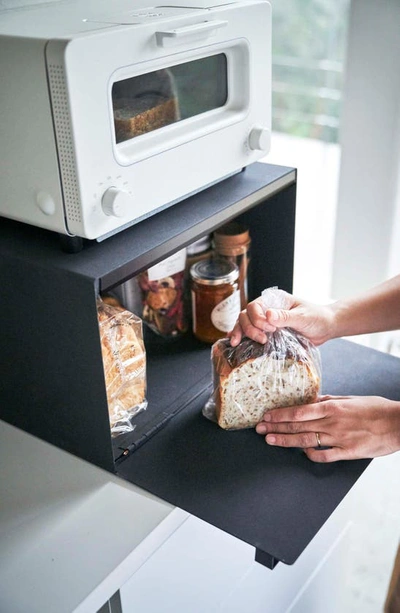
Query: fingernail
x=267, y=417
x=261, y=429
x=271, y=439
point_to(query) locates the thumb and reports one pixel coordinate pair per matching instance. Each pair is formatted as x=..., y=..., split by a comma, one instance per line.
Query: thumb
x=282, y=318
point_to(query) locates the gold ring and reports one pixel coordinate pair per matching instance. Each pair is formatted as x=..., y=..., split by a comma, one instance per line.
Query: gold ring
x=318, y=439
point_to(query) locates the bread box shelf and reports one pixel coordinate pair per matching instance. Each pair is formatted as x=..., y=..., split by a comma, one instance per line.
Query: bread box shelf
x=53, y=383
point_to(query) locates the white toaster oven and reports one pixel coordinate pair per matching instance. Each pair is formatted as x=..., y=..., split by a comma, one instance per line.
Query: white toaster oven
x=111, y=110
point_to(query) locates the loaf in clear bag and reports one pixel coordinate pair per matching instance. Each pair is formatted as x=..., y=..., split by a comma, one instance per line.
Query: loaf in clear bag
x=252, y=378
x=124, y=364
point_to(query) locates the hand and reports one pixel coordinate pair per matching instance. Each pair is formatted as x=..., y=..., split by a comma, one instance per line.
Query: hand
x=316, y=322
x=353, y=427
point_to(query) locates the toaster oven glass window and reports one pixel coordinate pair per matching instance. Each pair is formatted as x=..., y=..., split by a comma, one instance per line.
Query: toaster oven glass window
x=156, y=99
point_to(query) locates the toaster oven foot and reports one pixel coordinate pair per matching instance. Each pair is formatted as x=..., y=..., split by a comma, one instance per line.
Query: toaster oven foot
x=71, y=244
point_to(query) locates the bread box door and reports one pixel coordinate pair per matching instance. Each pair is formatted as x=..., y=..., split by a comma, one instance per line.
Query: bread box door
x=273, y=498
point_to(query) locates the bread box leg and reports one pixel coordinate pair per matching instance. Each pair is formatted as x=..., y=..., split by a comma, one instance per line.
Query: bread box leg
x=266, y=559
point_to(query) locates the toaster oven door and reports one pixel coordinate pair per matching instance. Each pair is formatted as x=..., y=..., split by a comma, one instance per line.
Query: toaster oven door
x=153, y=100
x=180, y=98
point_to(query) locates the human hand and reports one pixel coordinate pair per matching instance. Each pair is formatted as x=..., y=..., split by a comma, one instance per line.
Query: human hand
x=315, y=322
x=352, y=427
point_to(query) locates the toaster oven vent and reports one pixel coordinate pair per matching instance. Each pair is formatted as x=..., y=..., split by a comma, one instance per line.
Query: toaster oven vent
x=62, y=123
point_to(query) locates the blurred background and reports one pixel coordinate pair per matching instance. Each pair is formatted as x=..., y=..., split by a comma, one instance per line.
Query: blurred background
x=336, y=118
x=309, y=50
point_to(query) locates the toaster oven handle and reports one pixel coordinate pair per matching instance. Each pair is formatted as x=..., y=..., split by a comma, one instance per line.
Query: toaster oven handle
x=197, y=31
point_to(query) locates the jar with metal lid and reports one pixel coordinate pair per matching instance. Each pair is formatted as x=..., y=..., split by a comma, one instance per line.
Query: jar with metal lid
x=215, y=298
x=232, y=241
x=199, y=250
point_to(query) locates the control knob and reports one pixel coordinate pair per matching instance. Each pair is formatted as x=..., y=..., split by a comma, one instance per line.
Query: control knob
x=259, y=139
x=116, y=202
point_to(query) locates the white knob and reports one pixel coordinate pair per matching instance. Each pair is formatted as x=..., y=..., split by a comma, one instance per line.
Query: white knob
x=116, y=202
x=45, y=203
x=259, y=139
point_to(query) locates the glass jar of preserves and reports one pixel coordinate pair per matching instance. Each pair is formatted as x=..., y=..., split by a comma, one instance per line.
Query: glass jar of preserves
x=215, y=298
x=232, y=241
x=199, y=250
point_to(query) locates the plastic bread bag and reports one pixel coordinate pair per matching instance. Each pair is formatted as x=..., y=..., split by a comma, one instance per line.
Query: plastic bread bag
x=124, y=363
x=251, y=378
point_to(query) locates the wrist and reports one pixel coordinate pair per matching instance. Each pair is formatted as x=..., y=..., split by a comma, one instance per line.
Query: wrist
x=339, y=324
x=396, y=426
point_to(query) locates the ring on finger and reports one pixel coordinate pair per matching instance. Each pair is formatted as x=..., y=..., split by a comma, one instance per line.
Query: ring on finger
x=317, y=436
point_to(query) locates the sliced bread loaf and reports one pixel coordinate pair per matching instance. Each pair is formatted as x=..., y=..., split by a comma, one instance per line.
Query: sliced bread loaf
x=246, y=388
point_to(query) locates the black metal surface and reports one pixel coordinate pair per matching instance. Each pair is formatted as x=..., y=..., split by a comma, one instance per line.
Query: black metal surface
x=52, y=382
x=273, y=498
x=177, y=372
x=272, y=248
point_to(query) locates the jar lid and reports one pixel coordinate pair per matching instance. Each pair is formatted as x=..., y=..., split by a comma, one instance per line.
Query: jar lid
x=203, y=244
x=214, y=271
x=232, y=236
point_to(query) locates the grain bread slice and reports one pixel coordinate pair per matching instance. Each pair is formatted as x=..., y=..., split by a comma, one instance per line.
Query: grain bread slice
x=249, y=388
x=145, y=114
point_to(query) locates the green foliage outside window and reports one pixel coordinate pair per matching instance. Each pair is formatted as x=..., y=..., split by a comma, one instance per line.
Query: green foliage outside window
x=308, y=52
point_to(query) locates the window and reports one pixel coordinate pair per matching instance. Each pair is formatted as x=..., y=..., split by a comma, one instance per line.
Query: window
x=309, y=45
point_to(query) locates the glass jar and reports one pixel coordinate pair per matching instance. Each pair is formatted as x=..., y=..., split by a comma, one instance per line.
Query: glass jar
x=215, y=298
x=162, y=289
x=232, y=241
x=199, y=250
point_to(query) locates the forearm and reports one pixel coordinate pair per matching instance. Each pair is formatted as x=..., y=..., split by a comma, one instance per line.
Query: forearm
x=376, y=310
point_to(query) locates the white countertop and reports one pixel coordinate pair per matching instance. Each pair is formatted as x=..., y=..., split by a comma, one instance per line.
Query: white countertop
x=70, y=533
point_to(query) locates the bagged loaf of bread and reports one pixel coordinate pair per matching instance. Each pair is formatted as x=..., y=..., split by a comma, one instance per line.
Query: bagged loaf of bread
x=250, y=379
x=124, y=364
